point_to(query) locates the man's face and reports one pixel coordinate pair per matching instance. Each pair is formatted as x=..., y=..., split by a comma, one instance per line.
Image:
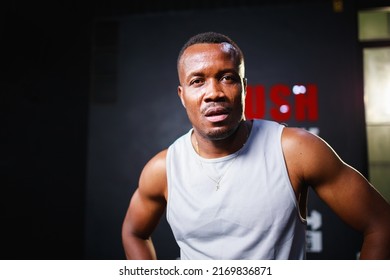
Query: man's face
x=212, y=89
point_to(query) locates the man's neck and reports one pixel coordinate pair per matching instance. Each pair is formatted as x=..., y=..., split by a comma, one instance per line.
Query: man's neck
x=209, y=148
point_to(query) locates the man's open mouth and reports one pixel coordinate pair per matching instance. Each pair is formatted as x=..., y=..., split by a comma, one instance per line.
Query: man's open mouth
x=216, y=114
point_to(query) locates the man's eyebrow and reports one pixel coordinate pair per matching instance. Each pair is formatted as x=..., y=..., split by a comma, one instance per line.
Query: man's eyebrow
x=199, y=73
x=196, y=74
x=229, y=70
x=222, y=71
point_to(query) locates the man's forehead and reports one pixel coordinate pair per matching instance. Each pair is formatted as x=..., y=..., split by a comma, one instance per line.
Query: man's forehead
x=203, y=55
x=200, y=52
x=210, y=47
x=228, y=47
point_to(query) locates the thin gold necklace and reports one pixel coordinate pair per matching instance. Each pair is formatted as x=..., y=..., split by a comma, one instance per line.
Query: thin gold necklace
x=218, y=181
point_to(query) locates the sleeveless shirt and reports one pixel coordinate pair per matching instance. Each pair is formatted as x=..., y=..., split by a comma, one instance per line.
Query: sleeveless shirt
x=253, y=215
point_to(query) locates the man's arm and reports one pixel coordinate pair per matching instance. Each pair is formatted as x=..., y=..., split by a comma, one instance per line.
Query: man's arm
x=145, y=210
x=312, y=162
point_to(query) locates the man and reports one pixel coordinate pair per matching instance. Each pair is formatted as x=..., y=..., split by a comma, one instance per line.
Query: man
x=237, y=189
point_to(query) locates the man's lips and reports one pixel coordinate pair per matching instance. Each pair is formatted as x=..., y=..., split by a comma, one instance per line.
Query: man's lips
x=216, y=113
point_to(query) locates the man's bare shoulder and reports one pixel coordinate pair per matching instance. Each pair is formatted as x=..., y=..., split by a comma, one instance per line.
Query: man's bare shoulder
x=296, y=143
x=309, y=156
x=300, y=141
x=153, y=179
x=298, y=136
x=157, y=163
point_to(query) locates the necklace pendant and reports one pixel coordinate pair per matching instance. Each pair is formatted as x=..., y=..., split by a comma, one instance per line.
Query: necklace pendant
x=217, y=187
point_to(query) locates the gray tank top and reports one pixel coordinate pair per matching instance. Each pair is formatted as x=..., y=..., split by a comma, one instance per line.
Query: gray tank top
x=252, y=215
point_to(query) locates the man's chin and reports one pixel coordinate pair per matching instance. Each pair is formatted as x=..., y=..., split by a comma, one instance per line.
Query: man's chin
x=221, y=133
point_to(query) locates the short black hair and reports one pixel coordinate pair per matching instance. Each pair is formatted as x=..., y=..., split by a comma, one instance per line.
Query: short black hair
x=210, y=38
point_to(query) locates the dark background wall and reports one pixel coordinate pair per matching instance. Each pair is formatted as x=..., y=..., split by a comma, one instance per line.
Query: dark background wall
x=61, y=78
x=45, y=58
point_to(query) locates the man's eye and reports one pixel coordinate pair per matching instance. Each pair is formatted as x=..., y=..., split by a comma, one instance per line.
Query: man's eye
x=229, y=78
x=196, y=82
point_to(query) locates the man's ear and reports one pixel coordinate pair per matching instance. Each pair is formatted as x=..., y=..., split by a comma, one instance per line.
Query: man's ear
x=245, y=82
x=180, y=93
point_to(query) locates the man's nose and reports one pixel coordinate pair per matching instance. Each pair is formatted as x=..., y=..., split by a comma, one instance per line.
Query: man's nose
x=214, y=91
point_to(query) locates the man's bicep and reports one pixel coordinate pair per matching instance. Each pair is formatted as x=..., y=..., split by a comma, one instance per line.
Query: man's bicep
x=149, y=200
x=348, y=193
x=143, y=214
